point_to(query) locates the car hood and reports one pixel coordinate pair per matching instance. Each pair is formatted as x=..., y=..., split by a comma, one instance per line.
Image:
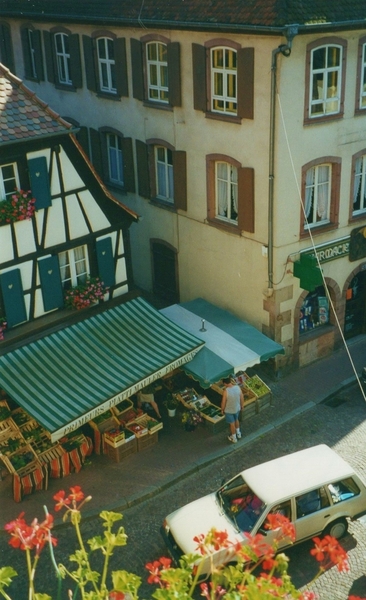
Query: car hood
x=197, y=518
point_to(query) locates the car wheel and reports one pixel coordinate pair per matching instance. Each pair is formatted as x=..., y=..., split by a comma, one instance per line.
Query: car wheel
x=337, y=529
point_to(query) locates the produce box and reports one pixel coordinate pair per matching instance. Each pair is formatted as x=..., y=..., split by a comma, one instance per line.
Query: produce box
x=149, y=423
x=117, y=437
x=8, y=425
x=122, y=408
x=32, y=431
x=105, y=421
x=72, y=440
x=5, y=411
x=119, y=453
x=257, y=386
x=55, y=451
x=130, y=415
x=138, y=429
x=20, y=417
x=22, y=461
x=187, y=396
x=146, y=441
x=250, y=409
x=11, y=441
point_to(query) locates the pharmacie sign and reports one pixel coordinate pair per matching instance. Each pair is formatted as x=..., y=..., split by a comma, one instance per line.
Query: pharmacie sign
x=331, y=251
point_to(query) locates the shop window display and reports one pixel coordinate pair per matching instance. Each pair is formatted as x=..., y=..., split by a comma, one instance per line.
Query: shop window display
x=315, y=310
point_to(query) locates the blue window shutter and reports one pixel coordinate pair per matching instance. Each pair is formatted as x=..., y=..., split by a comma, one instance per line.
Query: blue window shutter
x=105, y=261
x=49, y=273
x=13, y=297
x=40, y=181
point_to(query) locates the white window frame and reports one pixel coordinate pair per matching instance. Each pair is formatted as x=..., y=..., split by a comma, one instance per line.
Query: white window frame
x=359, y=185
x=72, y=261
x=106, y=66
x=329, y=104
x=114, y=147
x=157, y=92
x=32, y=53
x=314, y=187
x=62, y=59
x=362, y=100
x=226, y=198
x=229, y=102
x=3, y=194
x=164, y=174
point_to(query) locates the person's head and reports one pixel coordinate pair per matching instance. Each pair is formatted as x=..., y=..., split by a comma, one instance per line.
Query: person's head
x=227, y=380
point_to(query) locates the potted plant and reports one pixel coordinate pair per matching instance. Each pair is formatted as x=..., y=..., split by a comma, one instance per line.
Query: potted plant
x=171, y=403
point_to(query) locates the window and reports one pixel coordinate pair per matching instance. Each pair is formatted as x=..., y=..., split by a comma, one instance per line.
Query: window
x=230, y=193
x=63, y=58
x=343, y=490
x=314, y=311
x=223, y=80
x=106, y=65
x=317, y=195
x=9, y=180
x=226, y=196
x=321, y=182
x=325, y=77
x=157, y=71
x=223, y=73
x=32, y=53
x=115, y=158
x=74, y=267
x=359, y=190
x=311, y=502
x=362, y=75
x=164, y=174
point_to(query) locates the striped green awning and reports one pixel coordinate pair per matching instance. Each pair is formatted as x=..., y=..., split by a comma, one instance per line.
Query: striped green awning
x=65, y=379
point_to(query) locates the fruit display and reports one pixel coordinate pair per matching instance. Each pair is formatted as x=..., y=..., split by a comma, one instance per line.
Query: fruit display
x=19, y=461
x=257, y=386
x=103, y=417
x=20, y=417
x=11, y=445
x=4, y=413
x=71, y=441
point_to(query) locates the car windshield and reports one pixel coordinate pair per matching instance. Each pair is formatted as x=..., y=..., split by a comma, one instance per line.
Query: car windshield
x=240, y=504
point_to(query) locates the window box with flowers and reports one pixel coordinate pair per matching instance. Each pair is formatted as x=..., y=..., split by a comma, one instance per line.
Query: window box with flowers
x=18, y=207
x=86, y=294
x=3, y=326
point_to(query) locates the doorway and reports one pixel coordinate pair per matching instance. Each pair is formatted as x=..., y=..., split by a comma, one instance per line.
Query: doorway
x=354, y=320
x=165, y=272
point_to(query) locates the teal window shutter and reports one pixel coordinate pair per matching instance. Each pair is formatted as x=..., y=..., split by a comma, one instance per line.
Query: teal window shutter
x=39, y=181
x=49, y=273
x=13, y=297
x=105, y=261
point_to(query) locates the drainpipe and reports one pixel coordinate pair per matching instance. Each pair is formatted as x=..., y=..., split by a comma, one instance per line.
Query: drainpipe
x=285, y=50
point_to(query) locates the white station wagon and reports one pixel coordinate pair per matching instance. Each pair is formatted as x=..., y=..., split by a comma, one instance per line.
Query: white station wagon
x=315, y=488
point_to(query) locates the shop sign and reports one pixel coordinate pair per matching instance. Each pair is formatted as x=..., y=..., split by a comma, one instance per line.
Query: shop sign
x=102, y=408
x=331, y=251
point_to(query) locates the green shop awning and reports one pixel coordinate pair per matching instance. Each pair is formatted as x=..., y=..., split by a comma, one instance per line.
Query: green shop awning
x=68, y=377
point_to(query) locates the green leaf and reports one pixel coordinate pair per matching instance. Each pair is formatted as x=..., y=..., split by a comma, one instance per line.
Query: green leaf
x=42, y=597
x=125, y=582
x=97, y=542
x=6, y=576
x=110, y=516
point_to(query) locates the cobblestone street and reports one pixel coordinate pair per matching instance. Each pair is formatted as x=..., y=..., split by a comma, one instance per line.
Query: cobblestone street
x=341, y=424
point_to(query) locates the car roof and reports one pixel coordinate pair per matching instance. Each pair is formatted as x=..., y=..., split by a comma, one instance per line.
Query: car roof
x=296, y=473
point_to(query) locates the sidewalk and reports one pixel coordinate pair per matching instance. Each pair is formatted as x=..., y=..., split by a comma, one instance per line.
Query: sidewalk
x=115, y=486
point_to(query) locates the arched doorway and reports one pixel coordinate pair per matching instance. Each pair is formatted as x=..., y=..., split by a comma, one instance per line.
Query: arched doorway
x=354, y=318
x=165, y=271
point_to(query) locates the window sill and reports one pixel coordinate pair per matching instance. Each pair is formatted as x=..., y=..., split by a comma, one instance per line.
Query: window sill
x=358, y=217
x=108, y=96
x=360, y=112
x=318, y=230
x=224, y=226
x=161, y=204
x=323, y=119
x=312, y=334
x=64, y=87
x=223, y=117
x=158, y=105
x=115, y=187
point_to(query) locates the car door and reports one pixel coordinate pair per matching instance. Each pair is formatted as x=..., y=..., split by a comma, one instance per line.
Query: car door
x=312, y=513
x=274, y=537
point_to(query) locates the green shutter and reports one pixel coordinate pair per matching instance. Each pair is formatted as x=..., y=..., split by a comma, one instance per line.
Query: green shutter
x=105, y=261
x=137, y=69
x=49, y=273
x=39, y=180
x=13, y=297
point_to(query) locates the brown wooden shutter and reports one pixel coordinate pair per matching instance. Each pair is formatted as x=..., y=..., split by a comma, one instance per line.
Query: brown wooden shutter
x=137, y=69
x=75, y=61
x=89, y=61
x=26, y=53
x=180, y=179
x=96, y=151
x=143, y=174
x=174, y=81
x=128, y=166
x=48, y=49
x=6, y=47
x=199, y=77
x=246, y=199
x=246, y=83
x=38, y=55
x=121, y=66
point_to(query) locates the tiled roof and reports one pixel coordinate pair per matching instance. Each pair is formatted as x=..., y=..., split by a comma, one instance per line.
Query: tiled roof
x=22, y=114
x=197, y=14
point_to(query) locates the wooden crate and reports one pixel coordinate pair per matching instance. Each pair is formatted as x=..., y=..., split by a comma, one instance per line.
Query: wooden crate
x=5, y=411
x=257, y=386
x=122, y=451
x=146, y=441
x=104, y=422
x=188, y=397
x=20, y=417
x=122, y=408
x=250, y=409
x=32, y=463
x=152, y=425
x=8, y=438
x=56, y=451
x=115, y=439
x=130, y=415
